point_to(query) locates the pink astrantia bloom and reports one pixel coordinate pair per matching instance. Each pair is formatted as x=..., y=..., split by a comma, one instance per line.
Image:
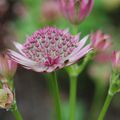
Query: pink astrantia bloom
x=7, y=66
x=49, y=49
x=76, y=10
x=100, y=41
x=116, y=60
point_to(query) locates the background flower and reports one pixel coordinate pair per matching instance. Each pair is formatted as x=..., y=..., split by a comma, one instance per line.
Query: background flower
x=116, y=60
x=76, y=10
x=100, y=41
x=7, y=66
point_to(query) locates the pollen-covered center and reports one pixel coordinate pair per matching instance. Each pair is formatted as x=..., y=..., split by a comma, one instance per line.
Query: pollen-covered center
x=49, y=45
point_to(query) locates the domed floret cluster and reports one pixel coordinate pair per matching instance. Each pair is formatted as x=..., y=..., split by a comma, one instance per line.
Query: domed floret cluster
x=49, y=49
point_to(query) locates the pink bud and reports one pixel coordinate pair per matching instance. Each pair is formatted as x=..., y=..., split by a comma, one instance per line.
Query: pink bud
x=100, y=41
x=7, y=66
x=116, y=60
x=76, y=10
x=50, y=10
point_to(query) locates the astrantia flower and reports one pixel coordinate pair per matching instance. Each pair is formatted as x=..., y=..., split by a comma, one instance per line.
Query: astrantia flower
x=49, y=49
x=116, y=60
x=100, y=41
x=76, y=10
x=7, y=66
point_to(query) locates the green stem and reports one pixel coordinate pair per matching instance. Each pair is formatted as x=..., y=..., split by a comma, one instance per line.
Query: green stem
x=105, y=107
x=14, y=108
x=73, y=89
x=76, y=28
x=73, y=86
x=56, y=96
x=16, y=113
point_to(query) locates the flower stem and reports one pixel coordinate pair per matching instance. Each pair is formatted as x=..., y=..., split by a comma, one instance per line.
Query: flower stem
x=105, y=107
x=56, y=96
x=17, y=115
x=14, y=108
x=73, y=88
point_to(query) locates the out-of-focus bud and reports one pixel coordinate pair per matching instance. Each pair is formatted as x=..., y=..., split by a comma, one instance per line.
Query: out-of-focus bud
x=19, y=9
x=100, y=41
x=6, y=97
x=7, y=66
x=3, y=7
x=116, y=60
x=76, y=10
x=50, y=10
x=100, y=72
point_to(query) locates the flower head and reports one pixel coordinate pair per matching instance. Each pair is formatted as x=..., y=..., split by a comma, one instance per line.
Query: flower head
x=100, y=41
x=49, y=49
x=116, y=60
x=76, y=10
x=7, y=66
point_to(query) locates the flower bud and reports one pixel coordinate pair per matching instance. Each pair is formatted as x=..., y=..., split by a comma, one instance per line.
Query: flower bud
x=100, y=41
x=76, y=10
x=7, y=66
x=116, y=60
x=6, y=97
x=50, y=11
x=3, y=7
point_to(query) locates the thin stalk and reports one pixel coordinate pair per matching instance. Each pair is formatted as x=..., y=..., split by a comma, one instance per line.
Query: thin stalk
x=16, y=114
x=56, y=96
x=105, y=107
x=73, y=89
x=14, y=108
x=75, y=27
